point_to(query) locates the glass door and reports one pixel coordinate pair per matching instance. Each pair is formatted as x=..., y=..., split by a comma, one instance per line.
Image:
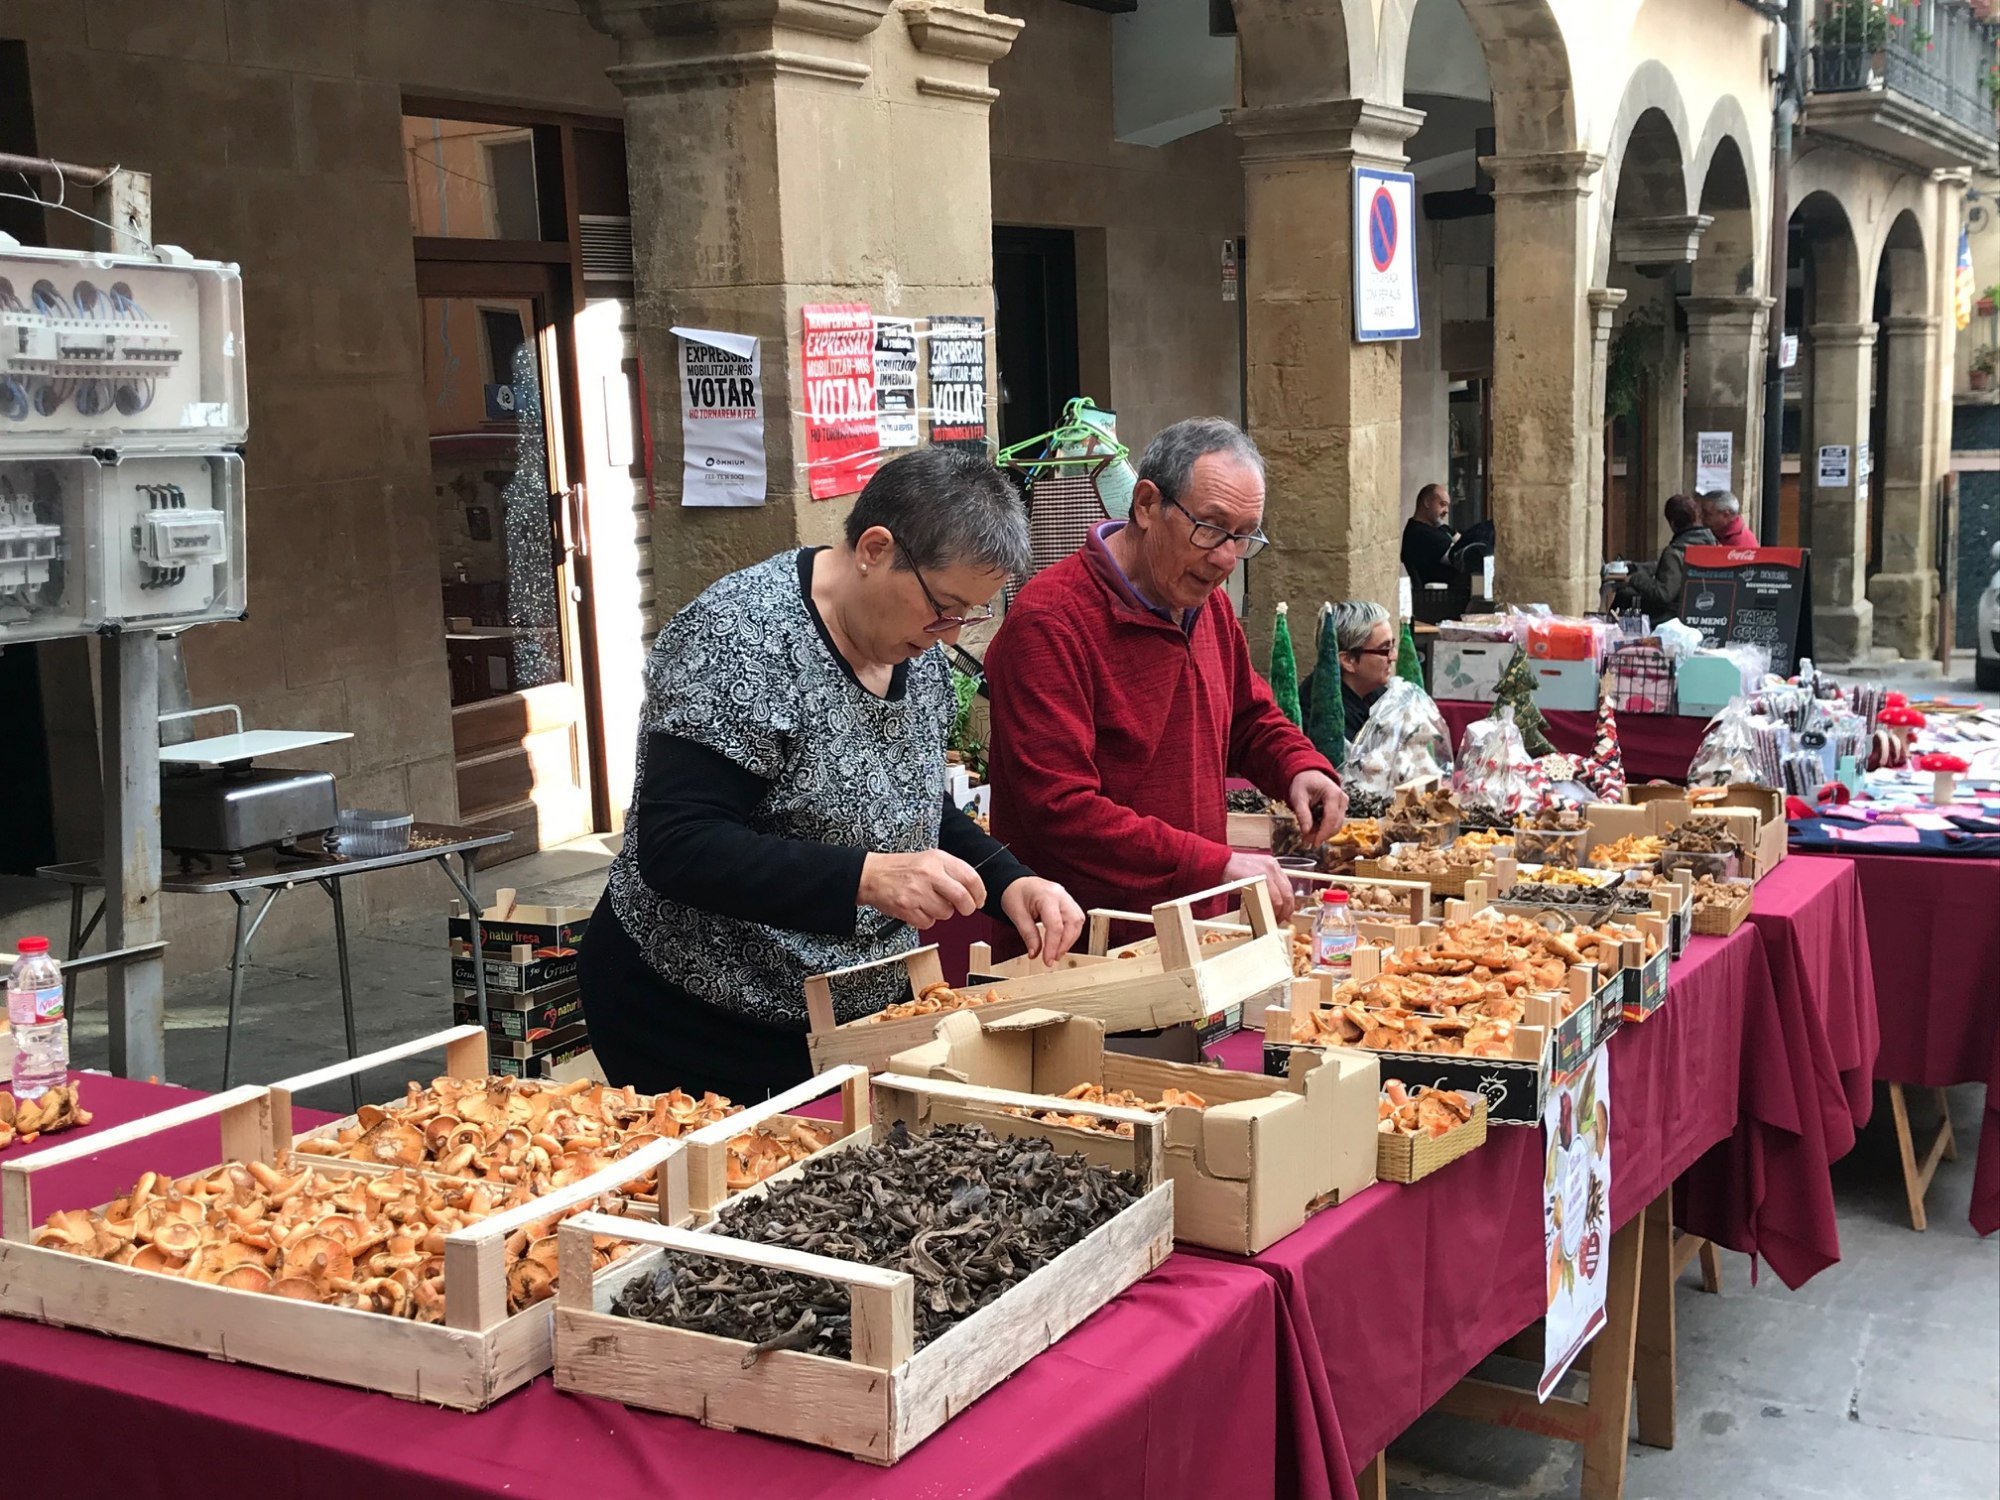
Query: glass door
x=501, y=515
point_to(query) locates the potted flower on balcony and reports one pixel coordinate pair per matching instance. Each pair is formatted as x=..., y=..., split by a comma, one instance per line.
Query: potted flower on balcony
x=1980, y=376
x=1988, y=302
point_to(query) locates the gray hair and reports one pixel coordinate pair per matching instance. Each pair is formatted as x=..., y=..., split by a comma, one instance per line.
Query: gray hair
x=1354, y=620
x=1170, y=458
x=1723, y=502
x=945, y=506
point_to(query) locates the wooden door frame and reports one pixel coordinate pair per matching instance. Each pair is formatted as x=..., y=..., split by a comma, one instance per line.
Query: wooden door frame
x=551, y=267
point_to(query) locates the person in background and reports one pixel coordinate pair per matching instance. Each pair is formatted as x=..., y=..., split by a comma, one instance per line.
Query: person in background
x=1656, y=587
x=790, y=815
x=1123, y=695
x=1428, y=537
x=1722, y=514
x=1367, y=645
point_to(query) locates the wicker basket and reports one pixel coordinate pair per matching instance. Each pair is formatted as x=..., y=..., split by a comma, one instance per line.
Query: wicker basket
x=1712, y=921
x=1406, y=1158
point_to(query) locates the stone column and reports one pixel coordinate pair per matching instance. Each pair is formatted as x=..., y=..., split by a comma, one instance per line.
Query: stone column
x=1604, y=304
x=1725, y=344
x=1542, y=380
x=1325, y=410
x=1904, y=590
x=786, y=152
x=1843, y=619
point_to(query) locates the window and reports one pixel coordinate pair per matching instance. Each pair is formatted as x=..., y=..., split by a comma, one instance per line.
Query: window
x=470, y=180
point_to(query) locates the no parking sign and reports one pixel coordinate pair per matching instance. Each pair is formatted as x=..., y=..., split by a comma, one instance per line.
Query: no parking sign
x=1385, y=255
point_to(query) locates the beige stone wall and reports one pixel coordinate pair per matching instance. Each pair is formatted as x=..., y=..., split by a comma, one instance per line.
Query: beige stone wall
x=1158, y=342
x=271, y=128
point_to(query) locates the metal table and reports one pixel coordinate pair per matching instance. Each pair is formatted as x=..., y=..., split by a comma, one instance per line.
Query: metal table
x=431, y=843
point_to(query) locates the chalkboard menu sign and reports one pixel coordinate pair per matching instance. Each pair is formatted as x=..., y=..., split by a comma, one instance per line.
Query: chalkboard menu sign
x=1759, y=596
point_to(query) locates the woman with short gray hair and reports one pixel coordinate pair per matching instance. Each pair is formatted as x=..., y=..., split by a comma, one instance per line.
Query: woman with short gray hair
x=1366, y=641
x=790, y=816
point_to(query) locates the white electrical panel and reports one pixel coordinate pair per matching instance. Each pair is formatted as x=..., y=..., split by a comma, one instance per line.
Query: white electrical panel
x=89, y=543
x=122, y=390
x=115, y=349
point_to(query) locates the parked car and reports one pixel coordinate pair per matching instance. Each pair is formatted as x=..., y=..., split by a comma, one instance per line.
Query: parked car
x=1986, y=668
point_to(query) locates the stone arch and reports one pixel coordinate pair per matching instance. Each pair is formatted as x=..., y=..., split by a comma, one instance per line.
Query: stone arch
x=1726, y=133
x=1534, y=98
x=1833, y=282
x=1290, y=55
x=1646, y=163
x=1903, y=267
x=1727, y=263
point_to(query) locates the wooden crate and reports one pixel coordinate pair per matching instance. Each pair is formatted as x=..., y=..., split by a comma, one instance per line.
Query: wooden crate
x=1260, y=831
x=1408, y=1158
x=1247, y=1170
x=480, y=1353
x=1178, y=982
x=888, y=1396
x=1447, y=883
x=1713, y=922
x=708, y=1148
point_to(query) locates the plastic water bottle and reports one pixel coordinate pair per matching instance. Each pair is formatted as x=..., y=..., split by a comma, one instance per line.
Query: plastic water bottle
x=1334, y=935
x=35, y=1011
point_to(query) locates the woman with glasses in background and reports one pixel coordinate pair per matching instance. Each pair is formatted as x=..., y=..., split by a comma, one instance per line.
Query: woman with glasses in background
x=790, y=816
x=1367, y=645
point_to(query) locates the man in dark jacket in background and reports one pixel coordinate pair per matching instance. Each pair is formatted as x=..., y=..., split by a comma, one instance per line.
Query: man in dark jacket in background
x=1657, y=589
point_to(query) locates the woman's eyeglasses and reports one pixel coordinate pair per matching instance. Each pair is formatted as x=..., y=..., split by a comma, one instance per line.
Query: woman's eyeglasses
x=1207, y=536
x=945, y=622
x=1385, y=652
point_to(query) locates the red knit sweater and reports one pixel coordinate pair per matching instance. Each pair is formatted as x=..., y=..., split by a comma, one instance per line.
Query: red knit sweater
x=1114, y=733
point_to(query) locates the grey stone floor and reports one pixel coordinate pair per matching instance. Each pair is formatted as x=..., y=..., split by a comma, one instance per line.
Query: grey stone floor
x=1879, y=1378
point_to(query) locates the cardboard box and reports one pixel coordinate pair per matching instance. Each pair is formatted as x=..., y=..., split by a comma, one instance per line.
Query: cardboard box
x=526, y=970
x=1468, y=671
x=1764, y=840
x=523, y=1023
x=1246, y=1170
x=573, y=1059
x=532, y=926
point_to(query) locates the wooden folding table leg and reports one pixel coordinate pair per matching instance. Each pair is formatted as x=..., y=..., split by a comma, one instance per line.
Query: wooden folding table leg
x=1947, y=1142
x=1656, y=1326
x=1685, y=1248
x=1711, y=1267
x=1917, y=1177
x=1608, y=1432
x=1373, y=1481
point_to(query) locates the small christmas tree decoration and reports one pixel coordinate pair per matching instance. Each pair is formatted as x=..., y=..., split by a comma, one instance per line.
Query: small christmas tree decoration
x=1516, y=689
x=1285, y=667
x=1326, y=714
x=1604, y=770
x=1407, y=666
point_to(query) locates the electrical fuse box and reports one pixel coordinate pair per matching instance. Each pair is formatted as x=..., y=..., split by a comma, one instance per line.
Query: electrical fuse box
x=92, y=543
x=109, y=351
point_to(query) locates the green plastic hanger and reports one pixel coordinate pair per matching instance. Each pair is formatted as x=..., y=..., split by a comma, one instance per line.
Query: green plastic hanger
x=1074, y=430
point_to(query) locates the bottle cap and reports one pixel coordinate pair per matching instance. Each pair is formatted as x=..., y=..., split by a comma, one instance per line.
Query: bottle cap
x=29, y=945
x=1329, y=898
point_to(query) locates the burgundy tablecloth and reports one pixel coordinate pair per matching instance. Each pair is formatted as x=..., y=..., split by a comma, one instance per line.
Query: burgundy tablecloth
x=1934, y=941
x=1656, y=746
x=1466, y=1243
x=1189, y=1384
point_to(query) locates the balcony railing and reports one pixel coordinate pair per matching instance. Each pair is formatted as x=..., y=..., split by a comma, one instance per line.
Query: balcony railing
x=1933, y=52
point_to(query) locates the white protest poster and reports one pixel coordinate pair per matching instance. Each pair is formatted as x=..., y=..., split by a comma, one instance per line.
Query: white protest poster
x=1713, y=453
x=722, y=419
x=1833, y=466
x=1576, y=1213
x=1385, y=255
x=896, y=383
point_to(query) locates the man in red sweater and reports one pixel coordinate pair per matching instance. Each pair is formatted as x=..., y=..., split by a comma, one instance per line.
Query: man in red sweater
x=1722, y=513
x=1123, y=696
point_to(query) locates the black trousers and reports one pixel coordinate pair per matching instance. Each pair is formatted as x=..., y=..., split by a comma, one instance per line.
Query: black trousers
x=656, y=1036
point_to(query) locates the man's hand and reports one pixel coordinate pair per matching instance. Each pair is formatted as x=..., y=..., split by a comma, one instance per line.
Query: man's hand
x=1046, y=916
x=1243, y=866
x=921, y=889
x=1319, y=804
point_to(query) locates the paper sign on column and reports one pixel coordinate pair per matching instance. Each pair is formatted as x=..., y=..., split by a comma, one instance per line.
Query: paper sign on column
x=958, y=380
x=1833, y=466
x=896, y=383
x=1576, y=1213
x=1713, y=452
x=722, y=419
x=837, y=360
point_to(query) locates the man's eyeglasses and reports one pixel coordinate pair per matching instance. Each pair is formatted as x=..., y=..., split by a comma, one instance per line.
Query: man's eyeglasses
x=1208, y=536
x=945, y=622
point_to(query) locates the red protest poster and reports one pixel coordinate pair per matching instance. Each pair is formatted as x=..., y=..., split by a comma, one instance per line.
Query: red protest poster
x=839, y=366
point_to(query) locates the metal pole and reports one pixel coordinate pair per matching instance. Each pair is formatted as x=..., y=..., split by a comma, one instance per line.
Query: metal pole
x=1784, y=111
x=129, y=717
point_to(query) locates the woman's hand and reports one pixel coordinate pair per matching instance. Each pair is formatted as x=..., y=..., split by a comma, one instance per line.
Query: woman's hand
x=921, y=889
x=1032, y=901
